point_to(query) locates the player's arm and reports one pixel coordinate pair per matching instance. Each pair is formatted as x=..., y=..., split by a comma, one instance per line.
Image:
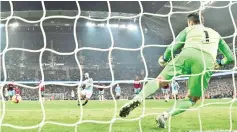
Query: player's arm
x=178, y=43
x=226, y=52
x=83, y=83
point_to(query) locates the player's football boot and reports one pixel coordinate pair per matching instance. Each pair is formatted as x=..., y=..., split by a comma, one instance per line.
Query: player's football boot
x=161, y=120
x=127, y=108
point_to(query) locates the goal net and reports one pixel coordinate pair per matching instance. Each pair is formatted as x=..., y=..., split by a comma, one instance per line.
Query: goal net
x=162, y=25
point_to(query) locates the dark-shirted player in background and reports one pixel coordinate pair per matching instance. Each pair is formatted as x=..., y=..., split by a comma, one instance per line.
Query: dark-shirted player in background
x=10, y=89
x=42, y=88
x=17, y=90
x=137, y=86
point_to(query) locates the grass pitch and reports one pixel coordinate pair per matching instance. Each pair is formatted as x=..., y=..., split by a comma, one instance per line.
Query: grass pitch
x=29, y=113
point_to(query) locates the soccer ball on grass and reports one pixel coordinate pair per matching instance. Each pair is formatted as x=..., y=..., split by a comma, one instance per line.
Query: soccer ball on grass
x=16, y=99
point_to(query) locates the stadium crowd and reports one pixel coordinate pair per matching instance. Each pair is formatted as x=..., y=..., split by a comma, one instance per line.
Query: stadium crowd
x=220, y=87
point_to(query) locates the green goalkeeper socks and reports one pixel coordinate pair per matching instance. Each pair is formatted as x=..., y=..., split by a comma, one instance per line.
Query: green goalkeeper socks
x=184, y=104
x=149, y=88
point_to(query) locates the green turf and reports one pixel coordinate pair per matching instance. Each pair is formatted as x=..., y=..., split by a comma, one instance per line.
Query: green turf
x=29, y=113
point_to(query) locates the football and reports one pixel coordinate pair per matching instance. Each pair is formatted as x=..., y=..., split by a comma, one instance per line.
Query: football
x=162, y=62
x=16, y=99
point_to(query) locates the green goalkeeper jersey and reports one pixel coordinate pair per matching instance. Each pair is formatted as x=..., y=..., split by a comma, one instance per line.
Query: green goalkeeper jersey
x=201, y=38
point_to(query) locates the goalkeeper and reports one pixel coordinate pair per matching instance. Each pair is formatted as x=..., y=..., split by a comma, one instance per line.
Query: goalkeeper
x=198, y=58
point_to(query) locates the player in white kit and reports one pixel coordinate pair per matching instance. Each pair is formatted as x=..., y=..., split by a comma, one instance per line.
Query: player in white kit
x=86, y=93
x=101, y=93
x=6, y=94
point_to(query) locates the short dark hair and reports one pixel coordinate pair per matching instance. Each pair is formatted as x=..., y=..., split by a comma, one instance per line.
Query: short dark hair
x=194, y=17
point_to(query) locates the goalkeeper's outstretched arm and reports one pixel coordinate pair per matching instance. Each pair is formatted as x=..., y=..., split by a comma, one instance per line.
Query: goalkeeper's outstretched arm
x=178, y=43
x=225, y=50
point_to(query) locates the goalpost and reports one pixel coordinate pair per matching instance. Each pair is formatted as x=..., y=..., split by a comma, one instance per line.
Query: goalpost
x=203, y=5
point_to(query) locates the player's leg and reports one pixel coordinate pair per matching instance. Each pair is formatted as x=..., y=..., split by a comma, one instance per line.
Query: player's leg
x=166, y=95
x=10, y=93
x=135, y=91
x=82, y=96
x=6, y=96
x=86, y=101
x=152, y=86
x=162, y=80
x=118, y=97
x=149, y=88
x=102, y=96
x=99, y=96
x=42, y=96
x=138, y=90
x=196, y=84
x=176, y=97
x=88, y=96
x=195, y=93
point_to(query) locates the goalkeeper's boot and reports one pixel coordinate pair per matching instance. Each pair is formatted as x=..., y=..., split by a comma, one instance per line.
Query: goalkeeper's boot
x=127, y=108
x=161, y=120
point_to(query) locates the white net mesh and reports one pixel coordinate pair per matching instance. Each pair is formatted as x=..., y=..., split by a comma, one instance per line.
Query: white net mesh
x=203, y=6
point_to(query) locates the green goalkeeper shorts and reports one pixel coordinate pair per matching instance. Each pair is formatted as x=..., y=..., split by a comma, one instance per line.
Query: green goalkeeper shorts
x=190, y=62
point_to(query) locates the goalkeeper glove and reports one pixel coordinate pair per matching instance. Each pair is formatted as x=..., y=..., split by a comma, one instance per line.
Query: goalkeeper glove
x=162, y=61
x=218, y=64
